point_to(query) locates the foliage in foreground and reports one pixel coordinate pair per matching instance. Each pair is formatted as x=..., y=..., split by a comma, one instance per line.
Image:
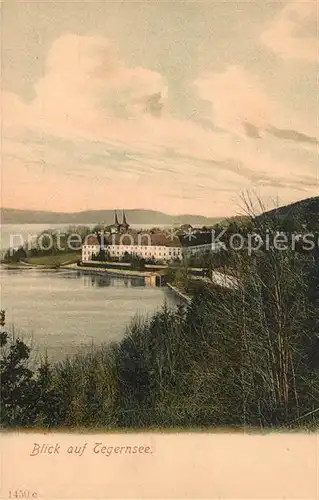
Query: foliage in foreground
x=246, y=357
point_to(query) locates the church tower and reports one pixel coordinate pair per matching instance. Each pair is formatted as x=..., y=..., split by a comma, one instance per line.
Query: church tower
x=116, y=221
x=115, y=227
x=124, y=226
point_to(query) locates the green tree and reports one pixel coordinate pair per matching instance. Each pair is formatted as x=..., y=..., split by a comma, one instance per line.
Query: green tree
x=17, y=382
x=15, y=255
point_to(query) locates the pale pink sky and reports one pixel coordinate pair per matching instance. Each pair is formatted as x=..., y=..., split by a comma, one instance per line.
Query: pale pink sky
x=177, y=108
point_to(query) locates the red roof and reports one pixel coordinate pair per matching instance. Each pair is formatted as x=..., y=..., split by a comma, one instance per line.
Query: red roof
x=135, y=238
x=91, y=240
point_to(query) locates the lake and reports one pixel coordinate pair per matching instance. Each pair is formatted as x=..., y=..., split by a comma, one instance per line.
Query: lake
x=63, y=312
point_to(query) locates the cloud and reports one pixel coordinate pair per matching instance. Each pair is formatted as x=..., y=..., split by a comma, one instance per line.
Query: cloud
x=236, y=96
x=251, y=130
x=286, y=134
x=85, y=75
x=286, y=34
x=100, y=133
x=154, y=104
x=86, y=85
x=292, y=135
x=239, y=103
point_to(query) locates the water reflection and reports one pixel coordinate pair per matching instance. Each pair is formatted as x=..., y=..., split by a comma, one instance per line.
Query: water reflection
x=99, y=281
x=62, y=311
x=95, y=281
x=138, y=282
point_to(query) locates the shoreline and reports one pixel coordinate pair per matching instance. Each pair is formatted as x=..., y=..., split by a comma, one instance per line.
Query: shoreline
x=116, y=272
x=180, y=294
x=30, y=267
x=111, y=272
x=70, y=267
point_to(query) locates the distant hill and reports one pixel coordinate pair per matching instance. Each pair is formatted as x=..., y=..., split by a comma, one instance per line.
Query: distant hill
x=305, y=210
x=136, y=216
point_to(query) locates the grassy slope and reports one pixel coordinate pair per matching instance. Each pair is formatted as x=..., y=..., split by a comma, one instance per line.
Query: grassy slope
x=50, y=260
x=302, y=208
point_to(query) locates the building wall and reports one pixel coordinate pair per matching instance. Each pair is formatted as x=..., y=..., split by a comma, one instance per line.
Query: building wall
x=200, y=249
x=89, y=250
x=159, y=253
x=144, y=251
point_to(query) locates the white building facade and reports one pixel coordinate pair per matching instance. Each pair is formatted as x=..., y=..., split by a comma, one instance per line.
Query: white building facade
x=147, y=246
x=89, y=250
x=159, y=253
x=163, y=253
x=202, y=249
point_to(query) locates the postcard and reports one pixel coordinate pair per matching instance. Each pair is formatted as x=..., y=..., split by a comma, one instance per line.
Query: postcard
x=159, y=255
